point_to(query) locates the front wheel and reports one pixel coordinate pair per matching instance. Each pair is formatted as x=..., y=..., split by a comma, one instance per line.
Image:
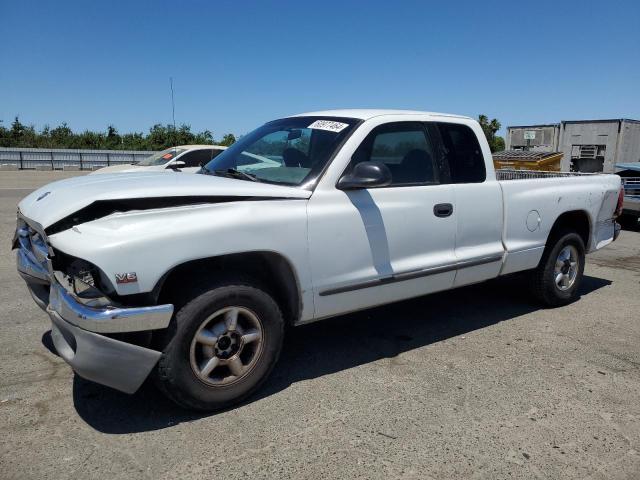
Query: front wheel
x=222, y=345
x=556, y=280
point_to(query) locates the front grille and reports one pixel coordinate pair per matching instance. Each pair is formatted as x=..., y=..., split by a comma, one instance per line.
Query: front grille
x=32, y=241
x=39, y=265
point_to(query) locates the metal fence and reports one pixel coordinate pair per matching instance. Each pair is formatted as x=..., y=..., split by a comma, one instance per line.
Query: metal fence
x=63, y=159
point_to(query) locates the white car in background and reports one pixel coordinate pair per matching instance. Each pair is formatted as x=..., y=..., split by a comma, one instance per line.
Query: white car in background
x=184, y=158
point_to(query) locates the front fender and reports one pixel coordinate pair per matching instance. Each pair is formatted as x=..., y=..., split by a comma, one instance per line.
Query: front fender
x=151, y=243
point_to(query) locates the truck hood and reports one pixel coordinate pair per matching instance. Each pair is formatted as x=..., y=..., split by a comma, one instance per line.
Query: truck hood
x=59, y=200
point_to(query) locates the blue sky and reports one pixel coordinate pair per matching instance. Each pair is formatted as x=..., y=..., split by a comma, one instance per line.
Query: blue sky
x=237, y=64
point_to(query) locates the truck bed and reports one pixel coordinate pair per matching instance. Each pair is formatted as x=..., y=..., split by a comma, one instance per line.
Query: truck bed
x=533, y=200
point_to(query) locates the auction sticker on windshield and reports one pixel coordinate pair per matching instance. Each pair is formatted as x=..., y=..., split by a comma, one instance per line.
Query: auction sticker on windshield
x=328, y=125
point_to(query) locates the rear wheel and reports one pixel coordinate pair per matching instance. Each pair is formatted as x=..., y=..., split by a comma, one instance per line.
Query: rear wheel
x=221, y=346
x=556, y=280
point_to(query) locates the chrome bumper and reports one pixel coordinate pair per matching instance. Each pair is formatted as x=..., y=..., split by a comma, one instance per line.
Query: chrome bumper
x=98, y=358
x=101, y=359
x=76, y=327
x=110, y=319
x=53, y=298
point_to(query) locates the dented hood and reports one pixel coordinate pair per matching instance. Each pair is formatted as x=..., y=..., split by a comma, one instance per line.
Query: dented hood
x=60, y=199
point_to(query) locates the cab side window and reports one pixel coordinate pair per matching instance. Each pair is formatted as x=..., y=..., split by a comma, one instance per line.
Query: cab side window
x=213, y=153
x=405, y=148
x=195, y=158
x=461, y=151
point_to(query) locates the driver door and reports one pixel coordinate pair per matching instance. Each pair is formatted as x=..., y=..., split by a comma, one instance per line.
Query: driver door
x=378, y=245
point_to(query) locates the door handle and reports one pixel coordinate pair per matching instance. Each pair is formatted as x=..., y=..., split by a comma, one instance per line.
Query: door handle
x=442, y=210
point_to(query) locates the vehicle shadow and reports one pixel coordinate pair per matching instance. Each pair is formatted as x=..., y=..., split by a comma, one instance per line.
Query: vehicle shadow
x=331, y=346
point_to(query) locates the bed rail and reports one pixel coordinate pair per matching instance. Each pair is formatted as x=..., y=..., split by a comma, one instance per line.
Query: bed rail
x=509, y=174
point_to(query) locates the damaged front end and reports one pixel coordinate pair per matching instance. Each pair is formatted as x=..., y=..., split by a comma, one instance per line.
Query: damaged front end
x=84, y=318
x=103, y=208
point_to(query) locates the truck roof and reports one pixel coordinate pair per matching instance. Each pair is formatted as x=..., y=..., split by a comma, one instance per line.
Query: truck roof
x=367, y=113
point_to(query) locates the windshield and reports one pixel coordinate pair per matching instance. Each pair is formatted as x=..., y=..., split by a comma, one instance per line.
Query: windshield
x=160, y=158
x=291, y=151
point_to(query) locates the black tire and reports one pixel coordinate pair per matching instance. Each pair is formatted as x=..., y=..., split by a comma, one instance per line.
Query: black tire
x=174, y=374
x=543, y=282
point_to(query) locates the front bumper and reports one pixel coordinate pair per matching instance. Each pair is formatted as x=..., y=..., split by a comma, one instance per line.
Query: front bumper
x=77, y=328
x=101, y=359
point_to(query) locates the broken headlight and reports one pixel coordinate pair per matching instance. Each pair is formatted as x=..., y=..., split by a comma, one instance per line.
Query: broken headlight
x=81, y=278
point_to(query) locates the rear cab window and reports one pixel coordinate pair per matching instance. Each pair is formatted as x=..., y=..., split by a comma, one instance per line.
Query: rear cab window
x=459, y=153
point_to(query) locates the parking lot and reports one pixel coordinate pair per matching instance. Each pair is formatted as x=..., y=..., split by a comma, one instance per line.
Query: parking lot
x=477, y=382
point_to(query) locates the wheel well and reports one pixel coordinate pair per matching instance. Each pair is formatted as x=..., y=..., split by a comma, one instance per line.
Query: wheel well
x=577, y=221
x=271, y=271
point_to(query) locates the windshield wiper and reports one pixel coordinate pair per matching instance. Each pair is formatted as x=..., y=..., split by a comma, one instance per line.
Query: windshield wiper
x=233, y=173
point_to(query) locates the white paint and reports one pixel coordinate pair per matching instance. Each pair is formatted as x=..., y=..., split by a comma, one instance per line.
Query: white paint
x=533, y=220
x=70, y=195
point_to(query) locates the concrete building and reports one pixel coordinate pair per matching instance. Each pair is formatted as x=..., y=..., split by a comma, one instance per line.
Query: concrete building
x=587, y=145
x=597, y=145
x=535, y=138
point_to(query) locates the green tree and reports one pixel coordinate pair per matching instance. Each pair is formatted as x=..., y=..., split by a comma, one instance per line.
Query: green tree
x=17, y=129
x=490, y=128
x=112, y=140
x=4, y=136
x=203, y=138
x=159, y=137
x=227, y=140
x=62, y=136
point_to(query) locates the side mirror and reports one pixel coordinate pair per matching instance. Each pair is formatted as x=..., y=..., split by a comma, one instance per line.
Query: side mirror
x=177, y=165
x=366, y=175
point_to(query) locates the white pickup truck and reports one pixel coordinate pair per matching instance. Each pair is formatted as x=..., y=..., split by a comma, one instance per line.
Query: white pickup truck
x=194, y=277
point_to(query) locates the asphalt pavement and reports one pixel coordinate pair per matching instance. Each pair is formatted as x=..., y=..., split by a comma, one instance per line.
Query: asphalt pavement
x=478, y=382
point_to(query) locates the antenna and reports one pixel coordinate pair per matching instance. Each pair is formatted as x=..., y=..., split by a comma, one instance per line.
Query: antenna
x=173, y=116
